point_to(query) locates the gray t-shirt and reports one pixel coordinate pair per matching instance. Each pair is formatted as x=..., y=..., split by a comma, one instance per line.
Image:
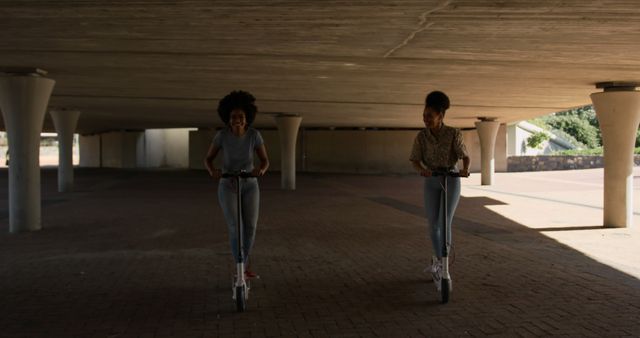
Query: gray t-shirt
x=237, y=152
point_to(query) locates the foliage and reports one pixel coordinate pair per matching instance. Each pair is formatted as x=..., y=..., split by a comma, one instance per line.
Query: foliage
x=539, y=122
x=584, y=113
x=580, y=123
x=577, y=152
x=577, y=127
x=571, y=139
x=536, y=139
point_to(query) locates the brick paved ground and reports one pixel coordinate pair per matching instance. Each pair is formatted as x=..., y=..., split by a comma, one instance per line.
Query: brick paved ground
x=144, y=254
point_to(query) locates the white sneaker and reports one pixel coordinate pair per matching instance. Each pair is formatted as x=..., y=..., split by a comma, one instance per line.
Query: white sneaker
x=436, y=271
x=436, y=264
x=431, y=268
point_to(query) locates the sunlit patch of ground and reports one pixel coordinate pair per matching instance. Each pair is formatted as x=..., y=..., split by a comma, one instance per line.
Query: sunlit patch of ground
x=565, y=206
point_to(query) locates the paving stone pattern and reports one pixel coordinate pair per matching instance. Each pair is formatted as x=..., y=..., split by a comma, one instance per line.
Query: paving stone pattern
x=145, y=254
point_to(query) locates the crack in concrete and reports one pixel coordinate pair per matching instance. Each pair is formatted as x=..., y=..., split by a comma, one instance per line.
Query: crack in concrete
x=422, y=25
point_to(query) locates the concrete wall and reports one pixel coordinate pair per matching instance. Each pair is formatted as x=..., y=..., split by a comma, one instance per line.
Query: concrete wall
x=166, y=148
x=140, y=155
x=199, y=141
x=272, y=143
x=359, y=151
x=177, y=147
x=154, y=148
x=382, y=151
x=472, y=142
x=545, y=163
x=348, y=151
x=344, y=151
x=89, y=150
x=121, y=149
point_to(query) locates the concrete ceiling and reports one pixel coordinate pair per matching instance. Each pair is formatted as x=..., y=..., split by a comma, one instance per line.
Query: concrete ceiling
x=145, y=64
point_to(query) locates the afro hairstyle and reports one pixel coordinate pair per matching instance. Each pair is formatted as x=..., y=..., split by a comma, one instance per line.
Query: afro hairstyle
x=238, y=99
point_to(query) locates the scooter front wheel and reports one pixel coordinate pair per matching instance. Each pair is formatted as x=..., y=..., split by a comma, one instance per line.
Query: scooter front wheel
x=445, y=289
x=240, y=299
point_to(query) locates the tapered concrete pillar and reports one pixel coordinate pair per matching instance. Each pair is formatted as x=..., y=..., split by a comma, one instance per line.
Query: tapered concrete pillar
x=288, y=130
x=24, y=96
x=487, y=131
x=618, y=111
x=65, y=122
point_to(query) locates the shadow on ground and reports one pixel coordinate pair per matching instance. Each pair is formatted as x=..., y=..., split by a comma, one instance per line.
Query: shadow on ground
x=145, y=253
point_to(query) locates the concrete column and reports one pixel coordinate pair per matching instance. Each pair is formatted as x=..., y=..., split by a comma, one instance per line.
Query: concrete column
x=288, y=129
x=487, y=132
x=618, y=111
x=24, y=96
x=65, y=122
x=500, y=149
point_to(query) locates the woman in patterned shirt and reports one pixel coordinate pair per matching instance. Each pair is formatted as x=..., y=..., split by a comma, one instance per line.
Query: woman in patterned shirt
x=438, y=147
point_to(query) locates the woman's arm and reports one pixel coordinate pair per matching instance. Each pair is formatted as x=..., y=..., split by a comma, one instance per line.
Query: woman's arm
x=416, y=156
x=417, y=165
x=461, y=151
x=466, y=161
x=208, y=161
x=261, y=151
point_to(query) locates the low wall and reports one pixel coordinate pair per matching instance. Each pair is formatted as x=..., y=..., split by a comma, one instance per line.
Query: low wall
x=545, y=163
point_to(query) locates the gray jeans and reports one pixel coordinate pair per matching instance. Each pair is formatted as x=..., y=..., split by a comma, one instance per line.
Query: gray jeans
x=434, y=207
x=228, y=199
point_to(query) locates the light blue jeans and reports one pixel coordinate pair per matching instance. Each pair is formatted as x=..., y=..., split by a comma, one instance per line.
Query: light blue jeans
x=434, y=207
x=228, y=198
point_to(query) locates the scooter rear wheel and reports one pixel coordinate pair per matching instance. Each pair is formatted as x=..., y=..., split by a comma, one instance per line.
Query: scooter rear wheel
x=444, y=290
x=240, y=299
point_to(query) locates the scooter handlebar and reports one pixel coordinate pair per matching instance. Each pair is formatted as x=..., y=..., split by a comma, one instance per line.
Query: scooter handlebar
x=242, y=174
x=446, y=173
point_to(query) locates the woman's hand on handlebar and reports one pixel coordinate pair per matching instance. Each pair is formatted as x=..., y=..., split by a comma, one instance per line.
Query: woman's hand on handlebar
x=464, y=173
x=257, y=172
x=425, y=172
x=216, y=173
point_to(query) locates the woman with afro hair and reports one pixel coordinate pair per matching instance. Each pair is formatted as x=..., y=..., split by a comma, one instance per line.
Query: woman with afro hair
x=438, y=147
x=238, y=141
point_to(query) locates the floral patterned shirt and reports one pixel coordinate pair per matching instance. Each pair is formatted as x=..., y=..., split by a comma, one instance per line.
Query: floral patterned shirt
x=439, y=150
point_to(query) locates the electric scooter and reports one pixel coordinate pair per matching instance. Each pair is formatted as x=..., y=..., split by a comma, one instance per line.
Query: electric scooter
x=442, y=277
x=240, y=284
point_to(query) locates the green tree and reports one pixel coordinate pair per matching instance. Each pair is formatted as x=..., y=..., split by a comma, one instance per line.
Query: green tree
x=536, y=139
x=586, y=113
x=576, y=127
x=580, y=123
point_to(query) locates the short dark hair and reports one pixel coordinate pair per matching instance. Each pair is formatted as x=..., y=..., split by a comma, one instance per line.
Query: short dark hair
x=238, y=99
x=437, y=100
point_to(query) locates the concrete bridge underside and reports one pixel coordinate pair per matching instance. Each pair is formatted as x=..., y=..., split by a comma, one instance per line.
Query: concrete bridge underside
x=150, y=64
